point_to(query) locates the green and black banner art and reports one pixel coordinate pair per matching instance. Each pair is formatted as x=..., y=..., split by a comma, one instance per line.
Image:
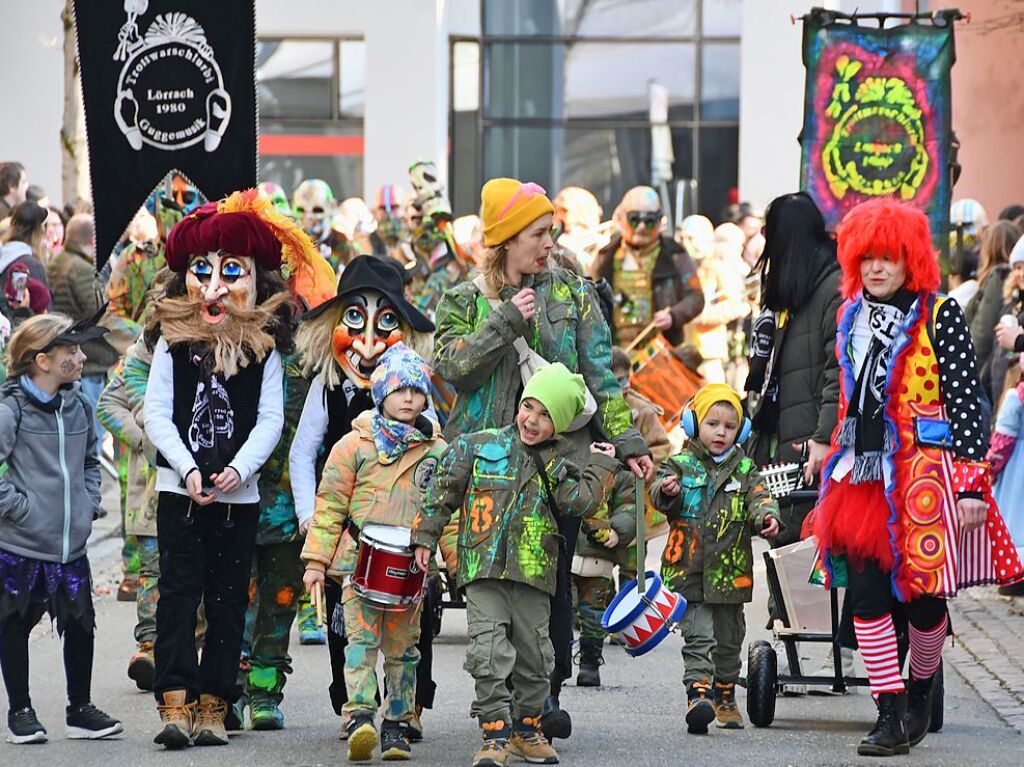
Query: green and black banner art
x=877, y=115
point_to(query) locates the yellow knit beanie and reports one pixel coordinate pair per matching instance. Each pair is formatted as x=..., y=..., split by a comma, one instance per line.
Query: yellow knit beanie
x=710, y=395
x=508, y=206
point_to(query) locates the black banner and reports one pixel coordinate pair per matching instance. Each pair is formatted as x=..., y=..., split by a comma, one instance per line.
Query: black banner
x=167, y=85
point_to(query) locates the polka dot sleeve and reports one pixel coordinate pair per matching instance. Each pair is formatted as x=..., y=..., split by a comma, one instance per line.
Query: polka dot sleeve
x=958, y=379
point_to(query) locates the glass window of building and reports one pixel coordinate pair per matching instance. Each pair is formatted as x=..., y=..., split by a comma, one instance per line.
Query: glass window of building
x=575, y=92
x=311, y=94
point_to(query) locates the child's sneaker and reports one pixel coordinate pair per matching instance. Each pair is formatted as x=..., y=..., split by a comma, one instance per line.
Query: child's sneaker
x=141, y=667
x=265, y=714
x=415, y=731
x=494, y=750
x=529, y=743
x=699, y=713
x=726, y=711
x=394, y=741
x=362, y=738
x=23, y=727
x=86, y=722
x=310, y=632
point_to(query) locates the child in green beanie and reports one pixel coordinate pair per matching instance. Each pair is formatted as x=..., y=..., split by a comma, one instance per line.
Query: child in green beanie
x=511, y=485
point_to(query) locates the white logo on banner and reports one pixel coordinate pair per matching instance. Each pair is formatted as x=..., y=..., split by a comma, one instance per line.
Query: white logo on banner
x=170, y=94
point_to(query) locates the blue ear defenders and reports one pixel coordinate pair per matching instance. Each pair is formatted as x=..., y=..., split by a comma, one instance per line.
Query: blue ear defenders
x=689, y=424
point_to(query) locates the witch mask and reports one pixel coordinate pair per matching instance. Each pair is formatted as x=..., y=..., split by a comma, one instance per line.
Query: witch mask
x=369, y=325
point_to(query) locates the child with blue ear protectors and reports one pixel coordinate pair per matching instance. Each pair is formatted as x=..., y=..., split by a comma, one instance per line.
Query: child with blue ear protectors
x=714, y=500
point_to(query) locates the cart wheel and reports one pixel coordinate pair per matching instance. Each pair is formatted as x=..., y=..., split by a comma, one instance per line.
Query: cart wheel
x=762, y=679
x=938, y=701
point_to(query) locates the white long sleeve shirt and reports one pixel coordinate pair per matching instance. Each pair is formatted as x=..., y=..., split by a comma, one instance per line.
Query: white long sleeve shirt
x=309, y=436
x=158, y=417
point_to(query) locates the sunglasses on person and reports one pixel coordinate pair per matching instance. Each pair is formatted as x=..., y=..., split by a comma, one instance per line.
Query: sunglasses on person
x=647, y=218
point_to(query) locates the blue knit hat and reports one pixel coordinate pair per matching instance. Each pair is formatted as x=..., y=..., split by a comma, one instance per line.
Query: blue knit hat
x=399, y=367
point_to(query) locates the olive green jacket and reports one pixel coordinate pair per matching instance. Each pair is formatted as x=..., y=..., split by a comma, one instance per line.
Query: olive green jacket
x=619, y=514
x=506, y=530
x=708, y=556
x=473, y=351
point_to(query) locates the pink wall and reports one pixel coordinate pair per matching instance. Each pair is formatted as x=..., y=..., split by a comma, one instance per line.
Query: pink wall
x=988, y=104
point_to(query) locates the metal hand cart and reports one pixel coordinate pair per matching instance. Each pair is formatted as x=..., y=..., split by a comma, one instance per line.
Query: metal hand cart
x=800, y=605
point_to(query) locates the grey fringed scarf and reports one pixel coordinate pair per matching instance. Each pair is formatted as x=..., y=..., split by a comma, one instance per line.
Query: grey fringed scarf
x=864, y=428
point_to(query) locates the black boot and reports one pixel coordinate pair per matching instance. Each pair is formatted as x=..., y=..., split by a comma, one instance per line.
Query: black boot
x=555, y=721
x=590, y=661
x=919, y=708
x=890, y=734
x=699, y=710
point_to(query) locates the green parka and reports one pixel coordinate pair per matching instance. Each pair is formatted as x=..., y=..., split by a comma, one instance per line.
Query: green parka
x=619, y=513
x=473, y=351
x=708, y=556
x=506, y=530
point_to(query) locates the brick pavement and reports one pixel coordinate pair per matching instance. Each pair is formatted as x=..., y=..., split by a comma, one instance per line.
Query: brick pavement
x=989, y=649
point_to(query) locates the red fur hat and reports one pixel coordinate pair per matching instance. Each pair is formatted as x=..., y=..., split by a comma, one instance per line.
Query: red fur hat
x=890, y=229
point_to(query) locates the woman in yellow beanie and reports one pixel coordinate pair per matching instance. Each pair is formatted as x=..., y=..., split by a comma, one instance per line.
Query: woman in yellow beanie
x=522, y=293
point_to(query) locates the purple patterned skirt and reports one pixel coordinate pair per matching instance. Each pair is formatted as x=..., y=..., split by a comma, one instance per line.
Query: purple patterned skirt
x=32, y=587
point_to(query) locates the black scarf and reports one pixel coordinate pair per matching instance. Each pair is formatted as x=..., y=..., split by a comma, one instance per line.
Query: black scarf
x=864, y=426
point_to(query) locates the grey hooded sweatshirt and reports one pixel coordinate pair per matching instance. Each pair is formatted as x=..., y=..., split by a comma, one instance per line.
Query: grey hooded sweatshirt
x=50, y=492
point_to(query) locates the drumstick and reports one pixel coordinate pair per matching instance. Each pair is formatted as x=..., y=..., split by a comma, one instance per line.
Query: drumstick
x=318, y=602
x=641, y=536
x=636, y=341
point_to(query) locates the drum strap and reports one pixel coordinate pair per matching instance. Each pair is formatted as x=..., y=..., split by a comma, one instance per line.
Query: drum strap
x=548, y=495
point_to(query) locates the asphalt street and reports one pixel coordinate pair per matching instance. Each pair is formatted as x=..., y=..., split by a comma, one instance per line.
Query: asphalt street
x=635, y=719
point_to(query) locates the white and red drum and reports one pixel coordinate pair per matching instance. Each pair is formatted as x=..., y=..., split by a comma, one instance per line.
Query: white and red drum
x=386, y=571
x=643, y=620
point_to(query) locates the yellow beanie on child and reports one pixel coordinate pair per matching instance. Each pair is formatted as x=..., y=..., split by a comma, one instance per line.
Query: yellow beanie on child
x=508, y=206
x=710, y=395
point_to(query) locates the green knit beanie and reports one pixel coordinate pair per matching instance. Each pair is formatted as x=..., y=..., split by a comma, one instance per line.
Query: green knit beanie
x=562, y=393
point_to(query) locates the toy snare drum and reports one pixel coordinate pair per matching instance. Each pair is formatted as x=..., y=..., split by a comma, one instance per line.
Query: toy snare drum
x=386, y=571
x=643, y=618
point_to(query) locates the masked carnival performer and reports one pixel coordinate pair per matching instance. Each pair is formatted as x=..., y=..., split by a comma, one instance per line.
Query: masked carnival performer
x=341, y=343
x=906, y=496
x=521, y=293
x=313, y=205
x=214, y=412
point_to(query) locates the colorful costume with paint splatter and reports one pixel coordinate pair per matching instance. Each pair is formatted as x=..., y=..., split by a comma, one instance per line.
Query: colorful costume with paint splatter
x=708, y=557
x=376, y=474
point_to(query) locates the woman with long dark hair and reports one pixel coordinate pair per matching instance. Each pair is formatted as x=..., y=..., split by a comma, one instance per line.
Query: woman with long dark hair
x=793, y=365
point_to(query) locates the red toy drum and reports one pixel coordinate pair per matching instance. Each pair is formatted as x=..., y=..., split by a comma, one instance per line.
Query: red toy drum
x=386, y=571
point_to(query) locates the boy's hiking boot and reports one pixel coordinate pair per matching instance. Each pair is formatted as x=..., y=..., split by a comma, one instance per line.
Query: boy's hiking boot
x=141, y=667
x=177, y=717
x=890, y=734
x=86, y=722
x=529, y=744
x=494, y=750
x=394, y=741
x=23, y=727
x=726, y=711
x=362, y=737
x=699, y=712
x=210, y=729
x=590, y=661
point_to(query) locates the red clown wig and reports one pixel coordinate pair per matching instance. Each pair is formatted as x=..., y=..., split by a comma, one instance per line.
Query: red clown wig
x=885, y=228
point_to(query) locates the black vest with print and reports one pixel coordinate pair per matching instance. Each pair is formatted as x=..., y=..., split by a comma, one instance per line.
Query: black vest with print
x=214, y=415
x=343, y=404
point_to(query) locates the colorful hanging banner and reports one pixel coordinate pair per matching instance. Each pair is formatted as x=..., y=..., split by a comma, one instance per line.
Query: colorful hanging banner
x=877, y=115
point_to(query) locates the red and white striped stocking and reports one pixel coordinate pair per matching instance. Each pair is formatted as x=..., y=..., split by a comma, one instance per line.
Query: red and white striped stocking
x=926, y=649
x=877, y=641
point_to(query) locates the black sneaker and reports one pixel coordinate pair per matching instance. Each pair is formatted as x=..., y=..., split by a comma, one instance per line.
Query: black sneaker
x=23, y=727
x=86, y=722
x=394, y=741
x=362, y=737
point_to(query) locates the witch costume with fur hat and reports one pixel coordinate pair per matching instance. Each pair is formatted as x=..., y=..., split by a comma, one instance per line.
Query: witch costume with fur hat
x=340, y=343
x=214, y=412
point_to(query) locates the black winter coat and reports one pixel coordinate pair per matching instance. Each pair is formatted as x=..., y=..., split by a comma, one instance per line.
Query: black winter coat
x=676, y=285
x=808, y=374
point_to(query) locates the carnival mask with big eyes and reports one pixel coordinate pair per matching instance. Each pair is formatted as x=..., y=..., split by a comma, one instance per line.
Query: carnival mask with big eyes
x=369, y=326
x=223, y=282
x=313, y=203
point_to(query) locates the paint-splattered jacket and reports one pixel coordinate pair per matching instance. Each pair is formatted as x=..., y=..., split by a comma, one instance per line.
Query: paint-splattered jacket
x=619, y=514
x=278, y=522
x=357, y=487
x=708, y=556
x=473, y=350
x=507, y=531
